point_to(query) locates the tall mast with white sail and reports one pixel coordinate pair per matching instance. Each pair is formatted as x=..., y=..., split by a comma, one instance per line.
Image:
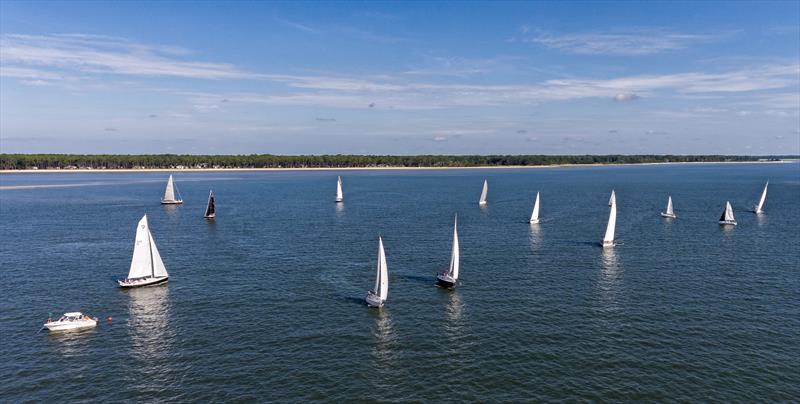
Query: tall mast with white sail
x=377, y=296
x=211, y=209
x=669, y=212
x=727, y=215
x=484, y=193
x=339, y=194
x=535, y=214
x=169, y=193
x=146, y=268
x=608, y=240
x=759, y=209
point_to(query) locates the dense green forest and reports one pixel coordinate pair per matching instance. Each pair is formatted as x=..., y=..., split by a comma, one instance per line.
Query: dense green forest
x=179, y=161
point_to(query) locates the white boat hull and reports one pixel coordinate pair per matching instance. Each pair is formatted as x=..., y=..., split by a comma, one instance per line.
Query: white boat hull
x=534, y=221
x=173, y=202
x=136, y=283
x=76, y=325
x=727, y=223
x=607, y=243
x=668, y=215
x=211, y=216
x=374, y=300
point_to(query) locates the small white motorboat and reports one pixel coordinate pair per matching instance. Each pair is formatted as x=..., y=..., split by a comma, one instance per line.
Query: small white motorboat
x=72, y=321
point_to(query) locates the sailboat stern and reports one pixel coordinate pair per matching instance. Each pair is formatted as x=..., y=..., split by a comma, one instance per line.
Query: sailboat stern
x=446, y=281
x=373, y=300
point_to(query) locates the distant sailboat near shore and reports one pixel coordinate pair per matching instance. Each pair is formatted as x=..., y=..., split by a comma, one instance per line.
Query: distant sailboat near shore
x=211, y=209
x=146, y=265
x=339, y=194
x=727, y=219
x=169, y=194
x=759, y=209
x=608, y=240
x=449, y=277
x=484, y=193
x=669, y=213
x=535, y=213
x=377, y=296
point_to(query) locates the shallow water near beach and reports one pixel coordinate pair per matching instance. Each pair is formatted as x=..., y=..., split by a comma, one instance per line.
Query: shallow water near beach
x=265, y=303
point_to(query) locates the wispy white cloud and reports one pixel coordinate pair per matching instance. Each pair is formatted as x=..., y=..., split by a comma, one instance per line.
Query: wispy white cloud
x=641, y=41
x=298, y=26
x=92, y=54
x=624, y=97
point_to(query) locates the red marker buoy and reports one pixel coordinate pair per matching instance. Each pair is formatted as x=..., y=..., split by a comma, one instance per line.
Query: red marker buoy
x=109, y=319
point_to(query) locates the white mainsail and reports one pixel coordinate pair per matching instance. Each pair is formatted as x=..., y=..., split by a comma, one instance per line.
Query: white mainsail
x=382, y=277
x=535, y=214
x=608, y=240
x=339, y=195
x=669, y=206
x=146, y=261
x=485, y=191
x=169, y=193
x=760, y=207
x=728, y=214
x=455, y=256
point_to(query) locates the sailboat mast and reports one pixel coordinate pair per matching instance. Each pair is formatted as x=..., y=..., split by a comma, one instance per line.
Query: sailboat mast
x=150, y=248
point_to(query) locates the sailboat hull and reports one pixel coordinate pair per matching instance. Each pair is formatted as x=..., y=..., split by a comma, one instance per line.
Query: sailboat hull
x=607, y=244
x=668, y=215
x=178, y=202
x=727, y=223
x=338, y=201
x=211, y=216
x=141, y=282
x=445, y=281
x=374, y=300
x=534, y=221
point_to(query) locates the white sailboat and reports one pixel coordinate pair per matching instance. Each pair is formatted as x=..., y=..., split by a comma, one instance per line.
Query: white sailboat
x=535, y=214
x=727, y=218
x=339, y=195
x=377, y=296
x=484, y=193
x=759, y=209
x=608, y=240
x=211, y=209
x=669, y=213
x=449, y=277
x=146, y=265
x=169, y=194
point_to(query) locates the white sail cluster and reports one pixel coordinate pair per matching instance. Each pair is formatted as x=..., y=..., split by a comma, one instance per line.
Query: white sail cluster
x=146, y=261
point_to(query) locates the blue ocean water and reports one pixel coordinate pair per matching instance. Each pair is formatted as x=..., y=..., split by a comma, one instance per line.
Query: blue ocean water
x=266, y=302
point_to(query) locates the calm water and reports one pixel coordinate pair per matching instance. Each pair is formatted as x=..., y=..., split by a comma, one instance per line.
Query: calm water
x=266, y=303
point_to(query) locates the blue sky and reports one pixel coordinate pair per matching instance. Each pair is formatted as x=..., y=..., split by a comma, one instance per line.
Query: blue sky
x=400, y=77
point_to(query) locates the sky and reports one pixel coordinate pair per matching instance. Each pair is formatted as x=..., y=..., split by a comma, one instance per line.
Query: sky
x=400, y=77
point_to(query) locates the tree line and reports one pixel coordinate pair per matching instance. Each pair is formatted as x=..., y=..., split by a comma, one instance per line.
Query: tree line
x=178, y=161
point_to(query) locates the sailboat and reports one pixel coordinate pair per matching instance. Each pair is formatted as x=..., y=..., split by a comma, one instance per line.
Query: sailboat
x=339, y=195
x=727, y=216
x=449, y=277
x=608, y=240
x=169, y=194
x=759, y=209
x=146, y=265
x=535, y=214
x=211, y=209
x=669, y=213
x=482, y=201
x=377, y=296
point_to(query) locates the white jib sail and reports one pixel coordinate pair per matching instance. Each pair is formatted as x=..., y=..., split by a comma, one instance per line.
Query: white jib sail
x=455, y=256
x=145, y=260
x=484, y=193
x=669, y=206
x=728, y=212
x=382, y=279
x=612, y=220
x=339, y=195
x=535, y=214
x=169, y=193
x=760, y=207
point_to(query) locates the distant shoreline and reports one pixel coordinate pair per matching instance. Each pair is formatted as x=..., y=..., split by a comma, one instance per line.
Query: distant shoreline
x=174, y=170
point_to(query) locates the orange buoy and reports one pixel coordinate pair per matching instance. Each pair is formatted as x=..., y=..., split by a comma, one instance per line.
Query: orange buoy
x=109, y=319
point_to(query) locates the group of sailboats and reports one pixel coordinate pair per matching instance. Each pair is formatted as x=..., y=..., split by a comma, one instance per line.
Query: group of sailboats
x=448, y=278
